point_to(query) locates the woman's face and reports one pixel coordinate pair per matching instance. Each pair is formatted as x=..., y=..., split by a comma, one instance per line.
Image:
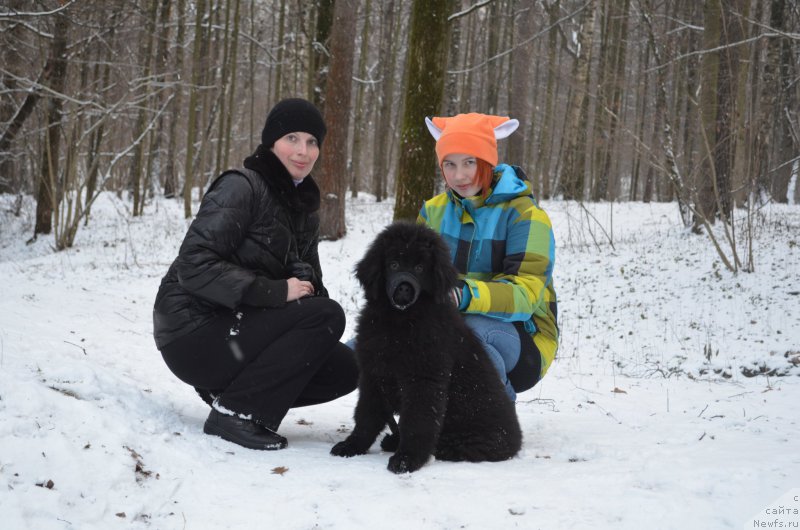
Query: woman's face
x=297, y=151
x=459, y=173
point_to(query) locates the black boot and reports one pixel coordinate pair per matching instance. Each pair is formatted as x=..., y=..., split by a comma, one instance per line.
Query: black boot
x=243, y=432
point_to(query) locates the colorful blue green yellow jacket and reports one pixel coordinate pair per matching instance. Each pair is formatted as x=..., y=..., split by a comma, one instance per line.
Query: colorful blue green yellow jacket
x=504, y=250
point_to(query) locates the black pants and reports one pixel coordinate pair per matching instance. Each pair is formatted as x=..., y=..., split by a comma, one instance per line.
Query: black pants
x=263, y=361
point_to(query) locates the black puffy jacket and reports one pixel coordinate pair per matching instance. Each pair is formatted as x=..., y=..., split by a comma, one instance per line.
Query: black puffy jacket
x=251, y=226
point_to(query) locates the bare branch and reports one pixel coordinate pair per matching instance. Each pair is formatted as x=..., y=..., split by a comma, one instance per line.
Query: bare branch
x=14, y=14
x=523, y=43
x=710, y=50
x=772, y=31
x=37, y=86
x=469, y=10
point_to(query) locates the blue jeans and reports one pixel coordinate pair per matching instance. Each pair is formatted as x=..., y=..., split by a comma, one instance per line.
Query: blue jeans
x=500, y=340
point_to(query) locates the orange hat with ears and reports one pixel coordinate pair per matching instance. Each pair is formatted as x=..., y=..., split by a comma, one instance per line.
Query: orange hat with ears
x=470, y=134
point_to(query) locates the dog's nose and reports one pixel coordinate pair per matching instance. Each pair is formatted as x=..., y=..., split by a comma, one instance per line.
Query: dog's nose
x=403, y=289
x=404, y=294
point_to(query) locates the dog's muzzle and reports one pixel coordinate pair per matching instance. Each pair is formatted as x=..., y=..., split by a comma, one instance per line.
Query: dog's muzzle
x=403, y=289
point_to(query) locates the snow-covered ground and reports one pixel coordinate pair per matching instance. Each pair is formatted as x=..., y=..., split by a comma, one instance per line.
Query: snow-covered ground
x=650, y=418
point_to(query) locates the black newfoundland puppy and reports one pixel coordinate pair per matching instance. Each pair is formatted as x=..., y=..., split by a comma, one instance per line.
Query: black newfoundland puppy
x=418, y=358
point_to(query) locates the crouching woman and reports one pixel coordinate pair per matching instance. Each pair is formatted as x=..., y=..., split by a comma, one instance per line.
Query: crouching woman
x=242, y=314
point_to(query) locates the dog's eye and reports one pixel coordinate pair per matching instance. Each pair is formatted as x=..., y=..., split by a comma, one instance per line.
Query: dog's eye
x=393, y=265
x=418, y=268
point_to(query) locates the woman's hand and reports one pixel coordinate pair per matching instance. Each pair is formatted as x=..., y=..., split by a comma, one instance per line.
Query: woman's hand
x=298, y=289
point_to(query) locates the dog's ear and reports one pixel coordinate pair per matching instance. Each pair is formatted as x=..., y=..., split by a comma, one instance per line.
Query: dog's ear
x=370, y=270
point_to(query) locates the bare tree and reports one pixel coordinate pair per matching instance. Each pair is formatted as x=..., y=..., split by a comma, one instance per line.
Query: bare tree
x=609, y=103
x=544, y=154
x=154, y=93
x=785, y=112
x=424, y=89
x=170, y=175
x=572, y=173
x=333, y=178
x=320, y=57
x=194, y=96
x=520, y=94
x=361, y=110
x=56, y=80
x=387, y=60
x=137, y=168
x=11, y=58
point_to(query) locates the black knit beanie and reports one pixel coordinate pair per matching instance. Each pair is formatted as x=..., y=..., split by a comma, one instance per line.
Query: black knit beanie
x=293, y=115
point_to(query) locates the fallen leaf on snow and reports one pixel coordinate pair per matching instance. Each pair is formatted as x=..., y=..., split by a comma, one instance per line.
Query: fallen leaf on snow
x=280, y=470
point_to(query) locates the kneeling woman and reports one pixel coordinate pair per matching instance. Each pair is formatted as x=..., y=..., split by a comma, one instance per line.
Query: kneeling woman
x=502, y=244
x=242, y=314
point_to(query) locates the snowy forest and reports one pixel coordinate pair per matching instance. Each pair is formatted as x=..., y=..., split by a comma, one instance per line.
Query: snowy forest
x=693, y=102
x=662, y=138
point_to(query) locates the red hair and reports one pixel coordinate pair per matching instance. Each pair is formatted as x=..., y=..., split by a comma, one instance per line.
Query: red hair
x=483, y=175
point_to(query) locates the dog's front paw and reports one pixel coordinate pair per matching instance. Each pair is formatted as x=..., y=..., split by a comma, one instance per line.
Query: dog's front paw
x=347, y=448
x=406, y=463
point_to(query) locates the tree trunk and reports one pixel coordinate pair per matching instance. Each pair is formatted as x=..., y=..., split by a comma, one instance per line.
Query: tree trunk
x=56, y=79
x=743, y=136
x=617, y=46
x=175, y=106
x=424, y=88
x=468, y=83
x=333, y=179
x=13, y=63
x=388, y=54
x=96, y=139
x=600, y=98
x=321, y=55
x=191, y=130
x=786, y=106
x=731, y=58
x=224, y=83
x=641, y=111
x=692, y=121
x=572, y=173
x=277, y=77
x=519, y=94
x=360, y=115
x=17, y=121
x=209, y=106
x=228, y=130
x=661, y=113
x=544, y=152
x=768, y=101
x=137, y=168
x=155, y=163
x=706, y=205
x=454, y=45
x=493, y=45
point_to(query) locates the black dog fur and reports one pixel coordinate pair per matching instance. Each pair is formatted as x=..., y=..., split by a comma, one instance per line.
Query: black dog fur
x=423, y=362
